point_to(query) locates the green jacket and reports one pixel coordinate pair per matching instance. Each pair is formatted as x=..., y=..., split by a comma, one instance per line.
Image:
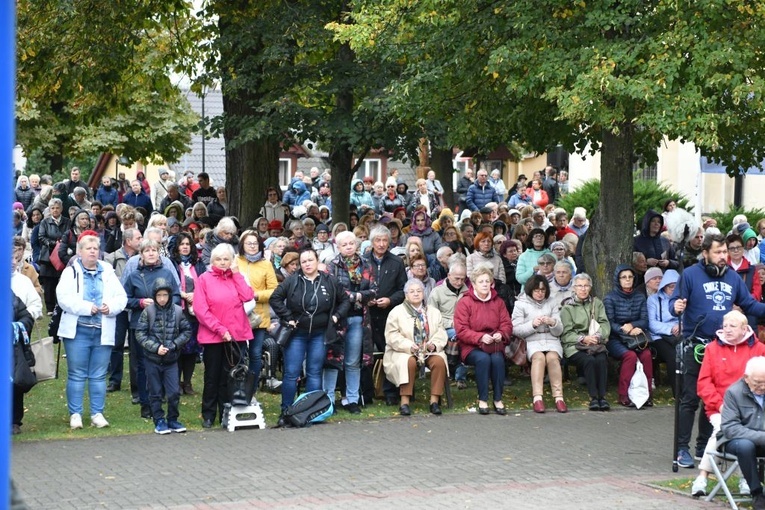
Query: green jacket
x=575, y=316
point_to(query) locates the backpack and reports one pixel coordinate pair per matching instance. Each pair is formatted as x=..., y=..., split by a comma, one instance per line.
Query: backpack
x=309, y=408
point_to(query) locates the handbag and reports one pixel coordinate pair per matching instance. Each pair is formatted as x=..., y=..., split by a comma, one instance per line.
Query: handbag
x=636, y=342
x=378, y=377
x=46, y=361
x=592, y=330
x=55, y=260
x=23, y=359
x=334, y=343
x=516, y=351
x=284, y=335
x=638, y=391
x=241, y=381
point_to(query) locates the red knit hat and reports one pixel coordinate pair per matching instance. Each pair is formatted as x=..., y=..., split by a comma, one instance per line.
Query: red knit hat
x=87, y=233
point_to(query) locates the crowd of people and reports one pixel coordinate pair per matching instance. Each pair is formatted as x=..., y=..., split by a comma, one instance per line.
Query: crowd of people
x=406, y=279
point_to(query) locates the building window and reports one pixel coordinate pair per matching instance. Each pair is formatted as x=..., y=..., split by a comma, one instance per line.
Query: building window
x=643, y=171
x=371, y=168
x=285, y=172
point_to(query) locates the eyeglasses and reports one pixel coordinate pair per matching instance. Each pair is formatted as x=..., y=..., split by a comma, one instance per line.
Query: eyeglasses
x=419, y=266
x=627, y=277
x=559, y=249
x=735, y=249
x=251, y=243
x=582, y=286
x=546, y=263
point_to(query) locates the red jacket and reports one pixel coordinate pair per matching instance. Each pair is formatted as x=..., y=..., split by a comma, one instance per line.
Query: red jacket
x=218, y=305
x=473, y=318
x=563, y=231
x=722, y=366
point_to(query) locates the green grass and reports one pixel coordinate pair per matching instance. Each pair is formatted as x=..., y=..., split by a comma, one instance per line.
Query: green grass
x=46, y=415
x=683, y=486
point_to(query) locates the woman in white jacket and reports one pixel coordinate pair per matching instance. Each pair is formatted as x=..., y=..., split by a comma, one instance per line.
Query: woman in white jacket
x=90, y=296
x=536, y=318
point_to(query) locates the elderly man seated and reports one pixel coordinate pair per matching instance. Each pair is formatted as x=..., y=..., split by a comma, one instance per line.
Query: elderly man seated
x=743, y=424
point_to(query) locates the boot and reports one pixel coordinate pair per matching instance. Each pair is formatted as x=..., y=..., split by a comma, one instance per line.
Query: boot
x=188, y=390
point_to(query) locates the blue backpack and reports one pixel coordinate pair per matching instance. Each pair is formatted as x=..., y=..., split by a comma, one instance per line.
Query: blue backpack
x=309, y=408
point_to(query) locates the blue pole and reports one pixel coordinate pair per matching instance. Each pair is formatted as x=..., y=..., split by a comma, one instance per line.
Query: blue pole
x=7, y=93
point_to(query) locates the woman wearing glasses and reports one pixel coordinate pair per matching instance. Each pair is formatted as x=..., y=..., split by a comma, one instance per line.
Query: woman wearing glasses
x=584, y=339
x=628, y=314
x=536, y=246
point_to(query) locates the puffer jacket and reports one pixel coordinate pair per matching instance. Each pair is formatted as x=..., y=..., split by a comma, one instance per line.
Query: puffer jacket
x=622, y=308
x=164, y=331
x=140, y=285
x=478, y=196
x=543, y=338
x=473, y=318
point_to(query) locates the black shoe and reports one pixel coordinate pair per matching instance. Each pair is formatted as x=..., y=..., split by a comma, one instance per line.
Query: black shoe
x=594, y=405
x=391, y=401
x=404, y=410
x=281, y=422
x=502, y=411
x=604, y=405
x=758, y=502
x=648, y=403
x=207, y=423
x=145, y=411
x=435, y=408
x=111, y=388
x=483, y=411
x=353, y=408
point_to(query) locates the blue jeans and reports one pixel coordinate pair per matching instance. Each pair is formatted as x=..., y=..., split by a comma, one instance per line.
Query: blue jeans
x=163, y=379
x=256, y=353
x=308, y=347
x=747, y=452
x=488, y=366
x=87, y=360
x=351, y=362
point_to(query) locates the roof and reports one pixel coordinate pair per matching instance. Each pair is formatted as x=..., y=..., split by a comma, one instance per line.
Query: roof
x=214, y=162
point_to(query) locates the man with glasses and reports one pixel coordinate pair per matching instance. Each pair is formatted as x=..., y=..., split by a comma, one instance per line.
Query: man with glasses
x=742, y=424
x=705, y=292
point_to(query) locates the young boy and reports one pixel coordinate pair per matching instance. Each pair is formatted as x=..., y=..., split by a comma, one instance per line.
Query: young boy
x=162, y=330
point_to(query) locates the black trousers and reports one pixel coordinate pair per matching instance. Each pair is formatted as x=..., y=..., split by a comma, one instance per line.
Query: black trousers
x=595, y=370
x=217, y=366
x=690, y=403
x=667, y=352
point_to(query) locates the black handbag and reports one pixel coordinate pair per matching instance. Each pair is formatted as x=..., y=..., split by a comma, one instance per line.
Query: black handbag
x=636, y=342
x=241, y=381
x=284, y=335
x=23, y=377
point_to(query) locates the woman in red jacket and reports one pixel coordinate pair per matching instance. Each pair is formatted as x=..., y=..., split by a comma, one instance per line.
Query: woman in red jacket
x=483, y=329
x=724, y=362
x=219, y=299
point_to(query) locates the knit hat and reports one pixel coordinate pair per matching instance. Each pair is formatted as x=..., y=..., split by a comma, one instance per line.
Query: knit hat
x=652, y=273
x=514, y=211
x=557, y=244
x=321, y=227
x=18, y=205
x=275, y=225
x=87, y=233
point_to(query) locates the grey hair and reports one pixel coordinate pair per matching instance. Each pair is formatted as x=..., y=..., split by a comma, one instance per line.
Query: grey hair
x=379, y=231
x=484, y=268
x=563, y=264
x=55, y=201
x=756, y=364
x=79, y=190
x=129, y=234
x=583, y=276
x=413, y=282
x=222, y=249
x=226, y=224
x=295, y=223
x=442, y=250
x=345, y=234
x=148, y=243
x=547, y=258
x=152, y=230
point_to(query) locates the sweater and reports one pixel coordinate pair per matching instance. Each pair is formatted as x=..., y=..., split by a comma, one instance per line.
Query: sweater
x=542, y=338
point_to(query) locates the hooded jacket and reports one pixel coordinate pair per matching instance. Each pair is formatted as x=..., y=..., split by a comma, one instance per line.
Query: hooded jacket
x=300, y=194
x=431, y=241
x=623, y=308
x=310, y=303
x=162, y=326
x=723, y=365
x=660, y=319
x=656, y=246
x=361, y=199
x=139, y=285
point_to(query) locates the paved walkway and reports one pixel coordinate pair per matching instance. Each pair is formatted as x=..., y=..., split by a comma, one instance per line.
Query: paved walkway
x=581, y=460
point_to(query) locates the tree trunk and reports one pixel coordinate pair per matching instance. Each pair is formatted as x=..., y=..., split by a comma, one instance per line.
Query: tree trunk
x=341, y=153
x=441, y=164
x=609, y=238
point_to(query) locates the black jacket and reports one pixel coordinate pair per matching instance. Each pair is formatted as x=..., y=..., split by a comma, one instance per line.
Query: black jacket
x=309, y=303
x=165, y=330
x=388, y=279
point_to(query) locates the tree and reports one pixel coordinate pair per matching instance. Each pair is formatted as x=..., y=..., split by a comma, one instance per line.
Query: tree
x=92, y=76
x=286, y=79
x=616, y=76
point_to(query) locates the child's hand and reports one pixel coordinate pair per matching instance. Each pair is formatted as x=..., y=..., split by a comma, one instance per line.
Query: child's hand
x=162, y=350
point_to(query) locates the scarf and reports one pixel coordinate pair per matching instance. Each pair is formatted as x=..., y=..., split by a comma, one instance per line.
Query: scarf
x=421, y=331
x=353, y=265
x=254, y=258
x=186, y=259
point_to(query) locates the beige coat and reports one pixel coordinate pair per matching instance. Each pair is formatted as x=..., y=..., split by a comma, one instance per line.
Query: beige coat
x=399, y=341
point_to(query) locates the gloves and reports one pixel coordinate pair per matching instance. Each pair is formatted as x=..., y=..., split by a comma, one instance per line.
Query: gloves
x=716, y=421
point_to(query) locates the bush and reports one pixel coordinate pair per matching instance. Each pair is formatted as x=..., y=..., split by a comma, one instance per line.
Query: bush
x=725, y=219
x=647, y=195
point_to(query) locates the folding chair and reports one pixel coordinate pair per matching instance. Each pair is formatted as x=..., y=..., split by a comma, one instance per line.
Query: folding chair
x=729, y=464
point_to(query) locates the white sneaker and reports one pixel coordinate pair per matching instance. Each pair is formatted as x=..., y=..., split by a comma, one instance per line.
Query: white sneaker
x=75, y=421
x=699, y=487
x=743, y=487
x=273, y=384
x=98, y=421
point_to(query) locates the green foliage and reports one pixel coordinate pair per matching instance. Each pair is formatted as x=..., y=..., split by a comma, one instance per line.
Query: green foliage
x=725, y=219
x=93, y=77
x=647, y=195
